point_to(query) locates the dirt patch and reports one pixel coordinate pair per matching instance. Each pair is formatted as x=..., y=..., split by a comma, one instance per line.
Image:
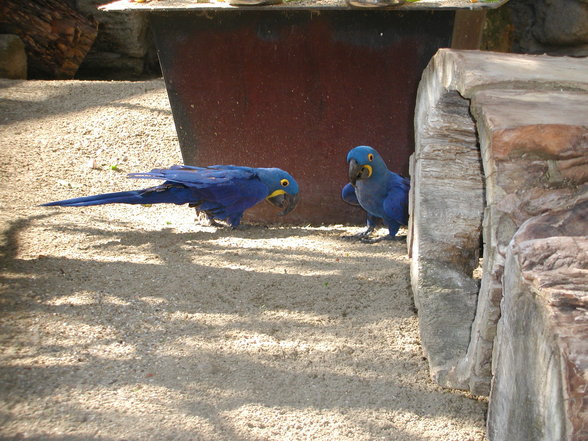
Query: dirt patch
x=135, y=323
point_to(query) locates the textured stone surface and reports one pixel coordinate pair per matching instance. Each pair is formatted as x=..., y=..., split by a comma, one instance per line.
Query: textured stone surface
x=447, y=202
x=469, y=71
x=56, y=36
x=447, y=191
x=13, y=58
x=124, y=45
x=555, y=27
x=541, y=357
x=171, y=5
x=535, y=155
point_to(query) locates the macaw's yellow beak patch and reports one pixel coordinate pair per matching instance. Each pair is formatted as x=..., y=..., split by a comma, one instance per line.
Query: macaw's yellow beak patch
x=285, y=201
x=358, y=171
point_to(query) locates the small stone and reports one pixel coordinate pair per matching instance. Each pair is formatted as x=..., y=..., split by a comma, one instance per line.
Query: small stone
x=92, y=164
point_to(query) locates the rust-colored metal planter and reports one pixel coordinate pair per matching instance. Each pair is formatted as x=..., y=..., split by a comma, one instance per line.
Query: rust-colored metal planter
x=295, y=88
x=297, y=91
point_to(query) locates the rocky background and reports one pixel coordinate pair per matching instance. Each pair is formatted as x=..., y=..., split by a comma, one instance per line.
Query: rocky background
x=124, y=47
x=552, y=27
x=121, y=46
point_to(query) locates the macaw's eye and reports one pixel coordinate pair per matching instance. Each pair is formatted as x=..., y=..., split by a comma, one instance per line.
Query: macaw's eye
x=370, y=157
x=284, y=182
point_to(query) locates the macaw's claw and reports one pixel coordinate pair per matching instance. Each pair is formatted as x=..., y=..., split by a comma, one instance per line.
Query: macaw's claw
x=359, y=236
x=208, y=219
x=374, y=3
x=383, y=238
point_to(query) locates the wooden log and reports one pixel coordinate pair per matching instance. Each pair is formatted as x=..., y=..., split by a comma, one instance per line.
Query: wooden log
x=56, y=36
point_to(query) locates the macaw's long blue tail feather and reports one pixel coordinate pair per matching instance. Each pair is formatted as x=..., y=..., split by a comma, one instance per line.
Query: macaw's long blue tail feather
x=156, y=195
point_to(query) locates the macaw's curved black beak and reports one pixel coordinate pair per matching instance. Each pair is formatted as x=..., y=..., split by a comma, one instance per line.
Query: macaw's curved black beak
x=286, y=201
x=358, y=171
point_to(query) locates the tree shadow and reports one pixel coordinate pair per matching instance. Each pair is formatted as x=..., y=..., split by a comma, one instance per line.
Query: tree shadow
x=220, y=329
x=106, y=93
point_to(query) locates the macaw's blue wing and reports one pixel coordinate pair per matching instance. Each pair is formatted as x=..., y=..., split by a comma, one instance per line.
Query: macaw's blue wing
x=396, y=200
x=162, y=194
x=223, y=192
x=348, y=195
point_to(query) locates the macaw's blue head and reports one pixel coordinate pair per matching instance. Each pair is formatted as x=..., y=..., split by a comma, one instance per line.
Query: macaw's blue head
x=282, y=189
x=365, y=163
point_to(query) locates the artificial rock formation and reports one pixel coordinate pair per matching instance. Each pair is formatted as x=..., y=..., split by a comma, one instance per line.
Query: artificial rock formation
x=458, y=191
x=124, y=47
x=56, y=36
x=13, y=58
x=535, y=155
x=553, y=27
x=541, y=357
x=446, y=207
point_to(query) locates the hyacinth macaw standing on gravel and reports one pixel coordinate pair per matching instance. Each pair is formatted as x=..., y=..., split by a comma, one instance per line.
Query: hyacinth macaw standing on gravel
x=380, y=192
x=223, y=192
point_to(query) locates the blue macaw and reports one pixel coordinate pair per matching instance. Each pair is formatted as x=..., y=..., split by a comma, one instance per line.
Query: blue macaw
x=380, y=192
x=223, y=192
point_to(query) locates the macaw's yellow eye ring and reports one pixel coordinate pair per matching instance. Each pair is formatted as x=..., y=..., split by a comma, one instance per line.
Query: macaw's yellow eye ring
x=284, y=182
x=370, y=157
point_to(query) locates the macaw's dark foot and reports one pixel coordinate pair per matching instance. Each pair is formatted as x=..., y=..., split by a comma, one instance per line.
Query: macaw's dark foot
x=254, y=2
x=360, y=236
x=216, y=224
x=384, y=238
x=209, y=220
x=241, y=227
x=375, y=3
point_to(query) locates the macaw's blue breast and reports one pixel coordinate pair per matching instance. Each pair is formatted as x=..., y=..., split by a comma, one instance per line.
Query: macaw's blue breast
x=385, y=197
x=371, y=196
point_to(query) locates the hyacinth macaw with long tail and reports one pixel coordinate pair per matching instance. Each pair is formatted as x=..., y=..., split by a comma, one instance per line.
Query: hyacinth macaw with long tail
x=380, y=192
x=223, y=192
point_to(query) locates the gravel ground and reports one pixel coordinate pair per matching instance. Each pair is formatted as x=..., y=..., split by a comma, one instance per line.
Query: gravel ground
x=135, y=323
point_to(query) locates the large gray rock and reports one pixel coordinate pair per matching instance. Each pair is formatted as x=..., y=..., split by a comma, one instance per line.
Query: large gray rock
x=535, y=156
x=13, y=58
x=541, y=358
x=555, y=27
x=124, y=46
x=448, y=203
